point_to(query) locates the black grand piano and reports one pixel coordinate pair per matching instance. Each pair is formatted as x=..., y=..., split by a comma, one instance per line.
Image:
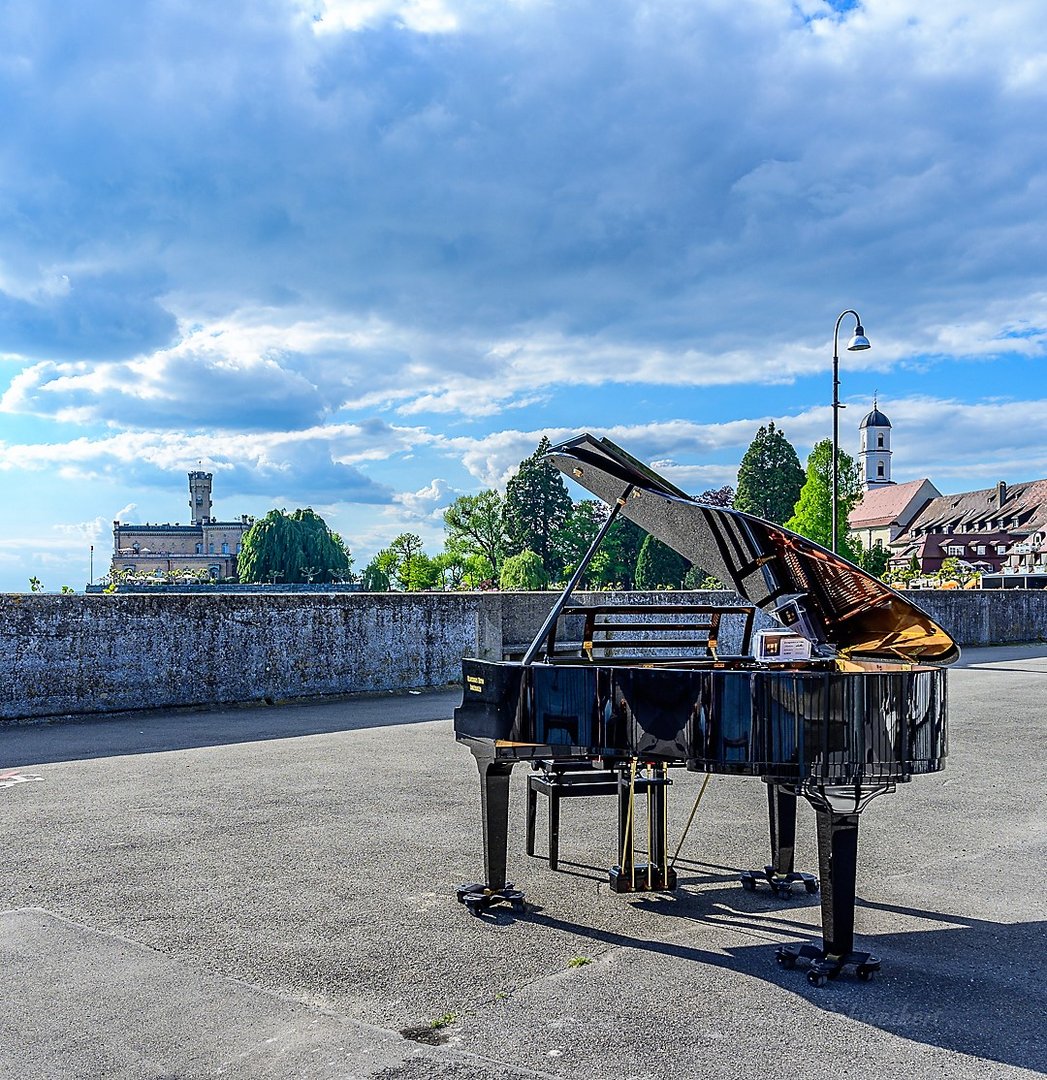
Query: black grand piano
x=864, y=711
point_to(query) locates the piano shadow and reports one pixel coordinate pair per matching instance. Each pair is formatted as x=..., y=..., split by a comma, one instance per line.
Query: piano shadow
x=966, y=985
x=189, y=728
x=688, y=871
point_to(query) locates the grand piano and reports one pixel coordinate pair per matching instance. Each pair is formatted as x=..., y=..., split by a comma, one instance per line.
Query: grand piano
x=864, y=710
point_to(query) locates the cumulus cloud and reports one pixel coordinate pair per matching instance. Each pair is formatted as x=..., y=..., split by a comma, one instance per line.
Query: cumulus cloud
x=307, y=240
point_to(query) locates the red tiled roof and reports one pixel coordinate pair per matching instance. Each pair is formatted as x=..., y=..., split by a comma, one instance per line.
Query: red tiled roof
x=882, y=505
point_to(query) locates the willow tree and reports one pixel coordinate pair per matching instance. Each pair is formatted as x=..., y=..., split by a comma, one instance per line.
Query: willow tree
x=292, y=548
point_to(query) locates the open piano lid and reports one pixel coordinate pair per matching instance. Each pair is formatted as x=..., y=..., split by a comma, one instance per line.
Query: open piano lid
x=801, y=584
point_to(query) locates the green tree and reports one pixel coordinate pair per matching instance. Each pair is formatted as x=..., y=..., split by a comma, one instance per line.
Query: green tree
x=280, y=546
x=813, y=515
x=378, y=573
x=536, y=507
x=574, y=538
x=407, y=549
x=872, y=560
x=658, y=566
x=523, y=571
x=451, y=568
x=614, y=564
x=769, y=477
x=474, y=527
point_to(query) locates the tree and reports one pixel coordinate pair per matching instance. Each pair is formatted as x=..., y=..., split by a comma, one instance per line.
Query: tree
x=813, y=516
x=377, y=575
x=523, y=571
x=451, y=569
x=474, y=527
x=872, y=560
x=281, y=545
x=721, y=496
x=769, y=477
x=536, y=507
x=574, y=538
x=614, y=564
x=407, y=550
x=658, y=566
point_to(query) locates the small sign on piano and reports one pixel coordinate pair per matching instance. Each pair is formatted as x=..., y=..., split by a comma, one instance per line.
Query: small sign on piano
x=770, y=645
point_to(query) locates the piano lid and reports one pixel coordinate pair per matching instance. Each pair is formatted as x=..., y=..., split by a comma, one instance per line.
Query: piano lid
x=801, y=584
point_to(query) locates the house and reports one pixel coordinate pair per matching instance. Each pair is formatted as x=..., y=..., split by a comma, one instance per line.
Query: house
x=998, y=528
x=885, y=513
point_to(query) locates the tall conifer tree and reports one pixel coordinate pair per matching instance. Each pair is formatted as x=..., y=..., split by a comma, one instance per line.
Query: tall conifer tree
x=535, y=509
x=769, y=477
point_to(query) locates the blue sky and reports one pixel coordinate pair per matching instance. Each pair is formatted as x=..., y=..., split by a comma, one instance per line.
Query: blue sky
x=361, y=254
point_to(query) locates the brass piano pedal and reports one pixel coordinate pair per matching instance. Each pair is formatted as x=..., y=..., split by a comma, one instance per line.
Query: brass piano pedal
x=478, y=898
x=643, y=877
x=780, y=884
x=822, y=966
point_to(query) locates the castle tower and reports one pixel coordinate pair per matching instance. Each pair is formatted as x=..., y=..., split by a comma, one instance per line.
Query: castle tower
x=875, y=450
x=200, y=497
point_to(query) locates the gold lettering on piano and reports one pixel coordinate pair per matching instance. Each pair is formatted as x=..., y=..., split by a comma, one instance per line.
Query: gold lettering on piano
x=475, y=683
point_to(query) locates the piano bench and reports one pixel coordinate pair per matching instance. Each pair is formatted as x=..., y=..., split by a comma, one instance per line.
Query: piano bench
x=569, y=780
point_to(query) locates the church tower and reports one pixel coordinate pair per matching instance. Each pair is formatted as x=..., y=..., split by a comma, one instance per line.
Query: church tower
x=200, y=497
x=875, y=451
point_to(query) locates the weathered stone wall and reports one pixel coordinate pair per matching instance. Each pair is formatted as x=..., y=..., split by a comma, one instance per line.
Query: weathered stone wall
x=63, y=655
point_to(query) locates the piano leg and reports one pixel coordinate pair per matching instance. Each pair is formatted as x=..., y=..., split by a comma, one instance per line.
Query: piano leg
x=494, y=808
x=779, y=873
x=838, y=864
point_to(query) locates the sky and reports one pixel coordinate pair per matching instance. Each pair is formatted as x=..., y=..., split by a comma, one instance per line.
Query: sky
x=360, y=255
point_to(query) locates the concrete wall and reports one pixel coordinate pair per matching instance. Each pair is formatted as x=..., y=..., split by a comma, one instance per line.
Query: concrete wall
x=75, y=655
x=62, y=655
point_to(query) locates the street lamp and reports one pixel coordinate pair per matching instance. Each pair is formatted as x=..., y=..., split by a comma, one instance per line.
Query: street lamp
x=858, y=343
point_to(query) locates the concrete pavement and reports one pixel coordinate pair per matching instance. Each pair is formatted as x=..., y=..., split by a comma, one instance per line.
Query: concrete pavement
x=270, y=892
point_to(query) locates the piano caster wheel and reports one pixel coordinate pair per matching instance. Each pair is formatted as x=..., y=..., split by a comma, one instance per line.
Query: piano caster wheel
x=786, y=961
x=816, y=978
x=748, y=884
x=811, y=884
x=864, y=973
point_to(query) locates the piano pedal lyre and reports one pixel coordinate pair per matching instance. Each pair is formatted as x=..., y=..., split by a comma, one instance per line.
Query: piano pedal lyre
x=655, y=875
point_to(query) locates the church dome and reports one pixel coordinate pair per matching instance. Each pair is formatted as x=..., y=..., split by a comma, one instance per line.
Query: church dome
x=874, y=419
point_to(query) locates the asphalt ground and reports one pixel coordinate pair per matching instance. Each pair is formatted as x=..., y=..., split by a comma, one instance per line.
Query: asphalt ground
x=271, y=893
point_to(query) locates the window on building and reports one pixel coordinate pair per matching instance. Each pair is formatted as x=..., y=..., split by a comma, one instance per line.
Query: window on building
x=879, y=470
x=955, y=549
x=879, y=442
x=980, y=549
x=225, y=548
x=210, y=549
x=199, y=549
x=1001, y=549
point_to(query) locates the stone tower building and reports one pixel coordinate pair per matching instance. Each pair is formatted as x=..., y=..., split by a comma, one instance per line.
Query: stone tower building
x=874, y=454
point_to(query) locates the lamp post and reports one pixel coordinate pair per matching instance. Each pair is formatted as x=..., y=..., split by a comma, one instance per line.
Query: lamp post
x=858, y=343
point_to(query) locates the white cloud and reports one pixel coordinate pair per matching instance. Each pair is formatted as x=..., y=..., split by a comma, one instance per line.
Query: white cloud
x=423, y=16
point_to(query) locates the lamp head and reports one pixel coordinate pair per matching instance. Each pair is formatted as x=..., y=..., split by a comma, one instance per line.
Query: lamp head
x=859, y=342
